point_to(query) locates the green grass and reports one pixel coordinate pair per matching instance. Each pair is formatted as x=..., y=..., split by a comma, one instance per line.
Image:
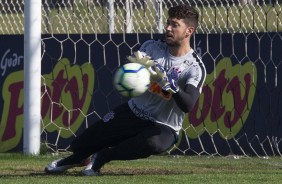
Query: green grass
x=18, y=168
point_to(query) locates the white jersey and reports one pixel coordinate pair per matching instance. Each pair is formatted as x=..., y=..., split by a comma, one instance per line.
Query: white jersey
x=154, y=105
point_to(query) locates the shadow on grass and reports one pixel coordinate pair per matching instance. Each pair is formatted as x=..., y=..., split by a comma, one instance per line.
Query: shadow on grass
x=106, y=172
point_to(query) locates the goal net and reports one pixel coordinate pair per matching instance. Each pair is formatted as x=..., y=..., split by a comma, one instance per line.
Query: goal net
x=85, y=41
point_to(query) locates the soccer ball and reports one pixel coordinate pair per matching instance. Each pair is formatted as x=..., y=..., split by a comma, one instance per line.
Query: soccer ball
x=132, y=79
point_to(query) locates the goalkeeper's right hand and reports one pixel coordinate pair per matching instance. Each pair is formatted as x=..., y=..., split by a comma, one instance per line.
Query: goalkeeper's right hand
x=143, y=60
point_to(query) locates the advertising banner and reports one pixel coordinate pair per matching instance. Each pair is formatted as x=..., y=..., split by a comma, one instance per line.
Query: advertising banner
x=237, y=113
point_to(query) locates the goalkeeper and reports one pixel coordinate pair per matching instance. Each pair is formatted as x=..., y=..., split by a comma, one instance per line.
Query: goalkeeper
x=147, y=124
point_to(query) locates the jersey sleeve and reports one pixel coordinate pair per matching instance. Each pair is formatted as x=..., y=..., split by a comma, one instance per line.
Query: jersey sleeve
x=146, y=47
x=196, y=76
x=152, y=47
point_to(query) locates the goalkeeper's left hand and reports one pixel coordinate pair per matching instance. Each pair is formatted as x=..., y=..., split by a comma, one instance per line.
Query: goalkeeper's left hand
x=172, y=87
x=158, y=74
x=167, y=83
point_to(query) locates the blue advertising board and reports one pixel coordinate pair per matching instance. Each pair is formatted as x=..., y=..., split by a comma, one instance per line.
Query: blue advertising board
x=237, y=113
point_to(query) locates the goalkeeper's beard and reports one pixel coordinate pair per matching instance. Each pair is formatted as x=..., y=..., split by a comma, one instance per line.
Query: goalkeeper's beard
x=175, y=43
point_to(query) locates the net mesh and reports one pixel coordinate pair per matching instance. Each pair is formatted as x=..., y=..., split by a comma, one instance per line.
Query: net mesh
x=143, y=16
x=61, y=19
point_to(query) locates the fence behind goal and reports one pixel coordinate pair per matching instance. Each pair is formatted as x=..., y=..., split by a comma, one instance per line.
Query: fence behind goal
x=85, y=41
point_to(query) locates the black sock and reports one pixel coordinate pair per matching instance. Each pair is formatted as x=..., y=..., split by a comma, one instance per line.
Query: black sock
x=69, y=161
x=100, y=160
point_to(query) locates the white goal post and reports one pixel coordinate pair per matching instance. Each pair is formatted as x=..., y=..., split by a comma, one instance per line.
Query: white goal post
x=32, y=77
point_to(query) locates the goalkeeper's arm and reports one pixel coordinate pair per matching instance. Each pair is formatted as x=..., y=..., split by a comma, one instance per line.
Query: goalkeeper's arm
x=186, y=99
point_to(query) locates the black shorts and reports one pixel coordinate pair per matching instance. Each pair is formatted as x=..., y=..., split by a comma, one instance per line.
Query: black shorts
x=131, y=136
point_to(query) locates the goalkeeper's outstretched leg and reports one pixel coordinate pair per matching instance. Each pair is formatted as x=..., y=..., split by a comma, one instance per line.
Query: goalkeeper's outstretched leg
x=152, y=140
x=124, y=137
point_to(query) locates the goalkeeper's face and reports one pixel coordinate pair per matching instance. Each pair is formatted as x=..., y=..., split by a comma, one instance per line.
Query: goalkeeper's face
x=177, y=32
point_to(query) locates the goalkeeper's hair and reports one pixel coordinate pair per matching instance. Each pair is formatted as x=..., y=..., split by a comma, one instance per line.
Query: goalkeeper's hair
x=186, y=12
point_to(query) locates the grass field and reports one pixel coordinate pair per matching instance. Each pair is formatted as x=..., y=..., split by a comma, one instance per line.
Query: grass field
x=18, y=168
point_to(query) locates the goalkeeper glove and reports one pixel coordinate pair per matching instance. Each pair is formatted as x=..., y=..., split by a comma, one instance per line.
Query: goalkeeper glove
x=172, y=86
x=159, y=75
x=143, y=60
